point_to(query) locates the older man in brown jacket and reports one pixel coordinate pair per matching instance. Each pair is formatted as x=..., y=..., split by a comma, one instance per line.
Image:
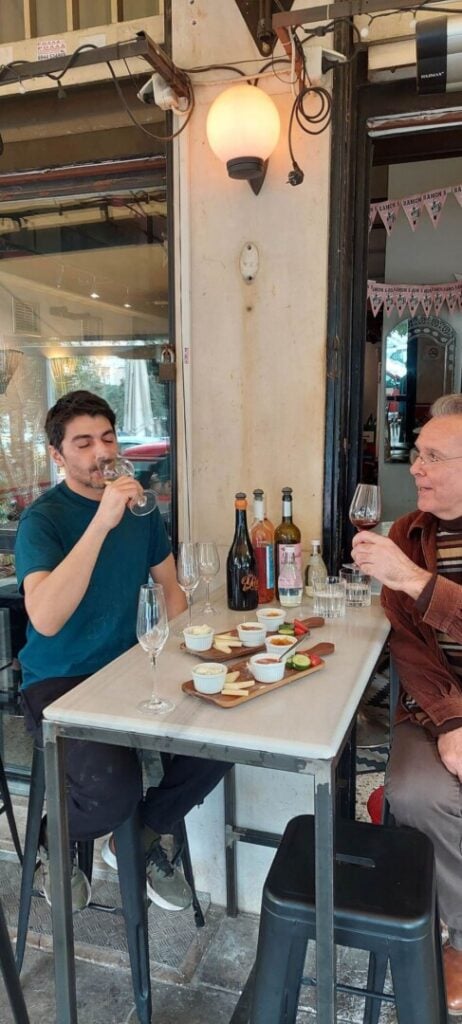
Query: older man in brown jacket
x=420, y=565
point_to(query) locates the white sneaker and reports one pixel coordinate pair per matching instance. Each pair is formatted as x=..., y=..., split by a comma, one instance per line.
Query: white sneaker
x=107, y=854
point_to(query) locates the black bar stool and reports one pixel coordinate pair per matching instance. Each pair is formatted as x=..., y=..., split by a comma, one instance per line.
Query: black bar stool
x=85, y=857
x=7, y=808
x=10, y=975
x=132, y=883
x=385, y=902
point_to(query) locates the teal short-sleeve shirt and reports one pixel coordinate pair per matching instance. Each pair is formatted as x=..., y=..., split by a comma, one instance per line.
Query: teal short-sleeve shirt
x=104, y=624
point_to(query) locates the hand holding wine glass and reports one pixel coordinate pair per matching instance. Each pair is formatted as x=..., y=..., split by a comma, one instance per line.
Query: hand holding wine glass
x=187, y=570
x=115, y=466
x=152, y=632
x=209, y=564
x=365, y=509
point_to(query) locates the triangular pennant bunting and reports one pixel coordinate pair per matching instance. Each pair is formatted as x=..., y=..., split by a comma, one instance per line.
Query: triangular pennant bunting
x=413, y=207
x=411, y=296
x=388, y=212
x=434, y=202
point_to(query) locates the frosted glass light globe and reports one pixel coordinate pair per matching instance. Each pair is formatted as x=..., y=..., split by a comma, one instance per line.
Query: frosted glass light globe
x=243, y=122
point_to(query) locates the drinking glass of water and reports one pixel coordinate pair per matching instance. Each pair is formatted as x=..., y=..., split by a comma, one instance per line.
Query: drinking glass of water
x=329, y=597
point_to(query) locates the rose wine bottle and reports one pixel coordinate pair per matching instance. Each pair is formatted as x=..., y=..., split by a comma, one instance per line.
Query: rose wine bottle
x=241, y=566
x=262, y=539
x=287, y=535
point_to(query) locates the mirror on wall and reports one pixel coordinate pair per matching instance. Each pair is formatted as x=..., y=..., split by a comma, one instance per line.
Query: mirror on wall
x=419, y=359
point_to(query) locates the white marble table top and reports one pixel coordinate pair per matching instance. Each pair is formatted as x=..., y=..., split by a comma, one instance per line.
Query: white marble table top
x=306, y=719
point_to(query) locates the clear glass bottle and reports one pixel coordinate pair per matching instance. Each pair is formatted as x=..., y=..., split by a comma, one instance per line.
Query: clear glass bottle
x=241, y=566
x=287, y=536
x=290, y=584
x=316, y=568
x=262, y=538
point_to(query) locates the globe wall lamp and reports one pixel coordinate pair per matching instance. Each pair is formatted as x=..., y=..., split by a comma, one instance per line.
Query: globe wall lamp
x=243, y=129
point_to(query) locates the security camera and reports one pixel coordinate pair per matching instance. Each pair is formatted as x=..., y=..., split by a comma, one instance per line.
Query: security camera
x=439, y=55
x=146, y=93
x=156, y=90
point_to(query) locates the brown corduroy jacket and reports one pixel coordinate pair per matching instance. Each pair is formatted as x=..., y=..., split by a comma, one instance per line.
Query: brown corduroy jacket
x=424, y=671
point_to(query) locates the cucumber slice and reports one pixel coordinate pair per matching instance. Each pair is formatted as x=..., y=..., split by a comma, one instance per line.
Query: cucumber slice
x=300, y=661
x=287, y=629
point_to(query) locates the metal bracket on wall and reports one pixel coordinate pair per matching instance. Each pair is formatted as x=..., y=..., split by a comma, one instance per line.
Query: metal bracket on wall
x=258, y=16
x=140, y=46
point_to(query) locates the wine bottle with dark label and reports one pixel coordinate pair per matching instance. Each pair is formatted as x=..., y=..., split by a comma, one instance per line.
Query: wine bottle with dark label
x=287, y=536
x=241, y=566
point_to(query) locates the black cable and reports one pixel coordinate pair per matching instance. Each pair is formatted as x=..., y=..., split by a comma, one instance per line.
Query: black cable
x=152, y=135
x=214, y=67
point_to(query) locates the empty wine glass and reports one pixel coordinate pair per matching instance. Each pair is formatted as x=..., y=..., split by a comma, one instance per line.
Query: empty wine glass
x=115, y=466
x=365, y=509
x=187, y=570
x=152, y=632
x=209, y=564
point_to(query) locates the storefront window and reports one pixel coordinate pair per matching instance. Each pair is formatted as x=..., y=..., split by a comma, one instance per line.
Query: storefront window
x=83, y=305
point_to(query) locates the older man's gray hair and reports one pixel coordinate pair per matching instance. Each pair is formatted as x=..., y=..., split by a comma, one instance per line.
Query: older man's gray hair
x=447, y=405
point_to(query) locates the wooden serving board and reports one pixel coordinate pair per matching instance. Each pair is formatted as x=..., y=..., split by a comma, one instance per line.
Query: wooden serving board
x=258, y=689
x=211, y=654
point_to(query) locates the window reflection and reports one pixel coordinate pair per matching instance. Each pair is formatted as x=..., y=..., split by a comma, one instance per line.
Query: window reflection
x=419, y=367
x=83, y=304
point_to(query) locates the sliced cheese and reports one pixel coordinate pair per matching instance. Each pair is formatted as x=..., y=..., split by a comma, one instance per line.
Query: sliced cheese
x=245, y=684
x=231, y=677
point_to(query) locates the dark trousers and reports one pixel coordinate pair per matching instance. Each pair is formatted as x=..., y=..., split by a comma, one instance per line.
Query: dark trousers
x=104, y=782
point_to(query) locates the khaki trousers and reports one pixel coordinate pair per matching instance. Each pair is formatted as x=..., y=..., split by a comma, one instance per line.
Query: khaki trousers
x=423, y=794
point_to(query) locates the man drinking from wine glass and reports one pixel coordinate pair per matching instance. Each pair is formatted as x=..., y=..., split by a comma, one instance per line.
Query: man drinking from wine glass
x=420, y=565
x=81, y=558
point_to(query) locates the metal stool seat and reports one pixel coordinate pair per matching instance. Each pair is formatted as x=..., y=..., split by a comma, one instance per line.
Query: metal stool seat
x=385, y=903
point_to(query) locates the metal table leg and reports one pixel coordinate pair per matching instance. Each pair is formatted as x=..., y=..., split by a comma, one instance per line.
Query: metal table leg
x=58, y=841
x=324, y=811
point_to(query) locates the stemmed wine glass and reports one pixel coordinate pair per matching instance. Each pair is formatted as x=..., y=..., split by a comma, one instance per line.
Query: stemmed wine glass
x=209, y=564
x=115, y=466
x=152, y=632
x=187, y=570
x=365, y=509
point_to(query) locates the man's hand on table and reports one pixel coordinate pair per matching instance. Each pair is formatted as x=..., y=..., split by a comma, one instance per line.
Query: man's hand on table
x=380, y=557
x=450, y=751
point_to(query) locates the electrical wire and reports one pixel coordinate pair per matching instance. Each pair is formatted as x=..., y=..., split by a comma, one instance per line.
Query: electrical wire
x=133, y=119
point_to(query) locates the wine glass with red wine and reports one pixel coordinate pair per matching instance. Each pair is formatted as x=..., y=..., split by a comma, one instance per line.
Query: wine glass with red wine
x=365, y=509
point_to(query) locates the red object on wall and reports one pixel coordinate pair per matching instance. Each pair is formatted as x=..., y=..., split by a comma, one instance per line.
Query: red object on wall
x=147, y=452
x=375, y=805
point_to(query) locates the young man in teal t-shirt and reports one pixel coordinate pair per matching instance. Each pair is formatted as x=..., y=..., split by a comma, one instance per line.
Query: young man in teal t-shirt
x=81, y=557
